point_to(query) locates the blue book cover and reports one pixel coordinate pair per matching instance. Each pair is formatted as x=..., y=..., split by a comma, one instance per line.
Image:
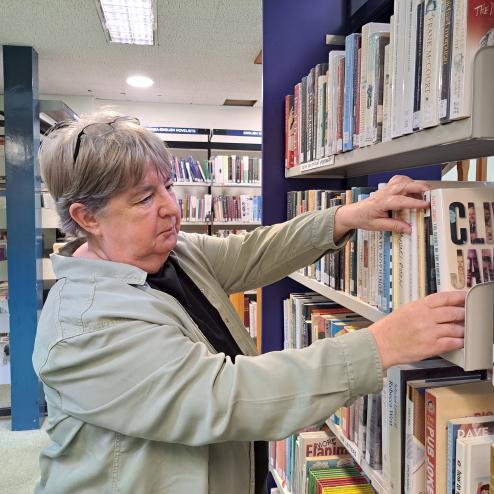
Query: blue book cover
x=352, y=44
x=386, y=295
x=464, y=427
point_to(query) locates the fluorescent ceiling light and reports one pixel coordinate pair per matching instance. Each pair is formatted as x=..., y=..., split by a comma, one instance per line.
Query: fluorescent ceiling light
x=129, y=21
x=139, y=81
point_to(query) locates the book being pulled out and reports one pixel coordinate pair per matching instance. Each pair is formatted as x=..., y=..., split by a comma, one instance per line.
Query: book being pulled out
x=462, y=236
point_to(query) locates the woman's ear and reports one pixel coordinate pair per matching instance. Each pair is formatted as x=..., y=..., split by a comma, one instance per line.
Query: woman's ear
x=84, y=218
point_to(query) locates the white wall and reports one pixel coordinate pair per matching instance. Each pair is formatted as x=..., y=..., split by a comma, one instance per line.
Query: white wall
x=174, y=115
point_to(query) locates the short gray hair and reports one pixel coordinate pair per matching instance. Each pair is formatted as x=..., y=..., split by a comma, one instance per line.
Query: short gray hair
x=105, y=166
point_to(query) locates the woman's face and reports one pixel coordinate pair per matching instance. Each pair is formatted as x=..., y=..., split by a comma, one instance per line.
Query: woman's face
x=140, y=225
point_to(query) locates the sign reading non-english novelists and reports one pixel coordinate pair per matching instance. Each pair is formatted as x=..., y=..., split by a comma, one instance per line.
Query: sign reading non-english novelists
x=177, y=130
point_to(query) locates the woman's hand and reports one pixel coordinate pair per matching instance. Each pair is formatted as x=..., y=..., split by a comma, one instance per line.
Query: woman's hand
x=372, y=213
x=421, y=329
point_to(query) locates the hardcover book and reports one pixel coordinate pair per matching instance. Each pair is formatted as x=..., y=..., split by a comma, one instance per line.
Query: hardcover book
x=465, y=427
x=441, y=405
x=473, y=29
x=463, y=236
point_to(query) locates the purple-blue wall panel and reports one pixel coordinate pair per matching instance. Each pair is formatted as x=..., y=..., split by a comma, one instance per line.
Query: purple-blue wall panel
x=293, y=42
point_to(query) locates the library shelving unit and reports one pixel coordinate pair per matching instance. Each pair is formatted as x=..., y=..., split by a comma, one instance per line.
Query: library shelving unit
x=417, y=155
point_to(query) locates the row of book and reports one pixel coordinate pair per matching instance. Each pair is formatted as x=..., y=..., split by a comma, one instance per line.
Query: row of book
x=190, y=170
x=194, y=208
x=428, y=428
x=450, y=246
x=392, y=79
x=236, y=170
x=241, y=209
x=222, y=170
x=314, y=461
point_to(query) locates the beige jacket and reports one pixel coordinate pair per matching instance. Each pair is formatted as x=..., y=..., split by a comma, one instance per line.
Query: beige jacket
x=138, y=400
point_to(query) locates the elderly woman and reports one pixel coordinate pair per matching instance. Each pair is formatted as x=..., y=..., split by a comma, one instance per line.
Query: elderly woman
x=152, y=383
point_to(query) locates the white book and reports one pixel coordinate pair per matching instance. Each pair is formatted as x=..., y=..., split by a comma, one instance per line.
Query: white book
x=473, y=464
x=367, y=30
x=387, y=95
x=332, y=99
x=409, y=68
x=398, y=66
x=431, y=52
x=321, y=112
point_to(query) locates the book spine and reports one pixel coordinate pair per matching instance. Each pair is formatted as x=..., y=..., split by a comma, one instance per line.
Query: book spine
x=435, y=215
x=430, y=63
x=398, y=67
x=409, y=446
x=386, y=268
x=395, y=428
x=408, y=75
x=419, y=13
x=377, y=127
x=363, y=85
x=445, y=62
x=430, y=443
x=459, y=49
x=386, y=135
x=452, y=432
x=350, y=43
x=386, y=420
x=461, y=452
x=370, y=90
x=373, y=438
x=339, y=108
x=303, y=124
x=356, y=108
x=310, y=113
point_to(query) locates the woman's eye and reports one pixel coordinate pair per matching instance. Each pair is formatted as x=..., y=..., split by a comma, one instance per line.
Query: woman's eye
x=146, y=199
x=169, y=187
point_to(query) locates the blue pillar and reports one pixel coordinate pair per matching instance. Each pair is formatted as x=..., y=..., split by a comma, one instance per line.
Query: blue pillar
x=20, y=68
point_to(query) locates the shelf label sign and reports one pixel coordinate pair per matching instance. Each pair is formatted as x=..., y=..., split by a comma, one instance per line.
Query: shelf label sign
x=241, y=133
x=317, y=164
x=177, y=130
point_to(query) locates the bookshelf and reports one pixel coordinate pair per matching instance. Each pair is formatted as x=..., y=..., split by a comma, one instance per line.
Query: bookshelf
x=366, y=310
x=284, y=65
x=471, y=137
x=375, y=476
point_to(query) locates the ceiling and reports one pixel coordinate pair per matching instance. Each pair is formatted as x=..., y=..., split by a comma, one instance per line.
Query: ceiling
x=204, y=54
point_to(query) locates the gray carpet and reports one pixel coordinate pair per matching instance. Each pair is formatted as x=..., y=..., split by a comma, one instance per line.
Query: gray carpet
x=19, y=452
x=4, y=395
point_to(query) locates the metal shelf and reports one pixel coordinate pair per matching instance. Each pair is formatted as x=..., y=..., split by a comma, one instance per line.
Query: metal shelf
x=255, y=186
x=236, y=223
x=191, y=184
x=471, y=137
x=194, y=223
x=368, y=311
x=375, y=476
x=278, y=481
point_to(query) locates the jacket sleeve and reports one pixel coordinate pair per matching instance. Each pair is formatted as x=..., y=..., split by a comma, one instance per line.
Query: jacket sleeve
x=268, y=254
x=151, y=381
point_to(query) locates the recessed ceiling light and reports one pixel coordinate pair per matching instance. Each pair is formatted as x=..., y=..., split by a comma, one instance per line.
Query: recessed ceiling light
x=129, y=21
x=139, y=81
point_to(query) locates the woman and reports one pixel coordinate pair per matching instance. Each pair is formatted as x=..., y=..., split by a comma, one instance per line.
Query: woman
x=152, y=383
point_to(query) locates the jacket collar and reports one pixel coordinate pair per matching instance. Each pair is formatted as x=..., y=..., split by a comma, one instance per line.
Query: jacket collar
x=67, y=266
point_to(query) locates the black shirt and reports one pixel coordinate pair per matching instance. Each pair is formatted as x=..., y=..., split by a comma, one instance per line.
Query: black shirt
x=173, y=280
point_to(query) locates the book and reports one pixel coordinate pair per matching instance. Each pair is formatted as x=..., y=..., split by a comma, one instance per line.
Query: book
x=472, y=464
x=429, y=115
x=414, y=482
x=473, y=29
x=313, y=463
x=419, y=38
x=394, y=402
x=441, y=405
x=352, y=44
x=462, y=236
x=367, y=31
x=445, y=62
x=289, y=131
x=460, y=428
